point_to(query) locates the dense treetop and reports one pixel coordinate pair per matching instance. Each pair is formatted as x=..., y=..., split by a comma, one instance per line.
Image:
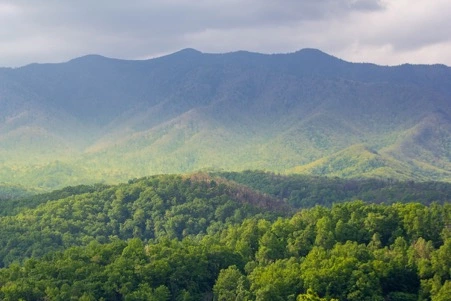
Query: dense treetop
x=302, y=191
x=201, y=237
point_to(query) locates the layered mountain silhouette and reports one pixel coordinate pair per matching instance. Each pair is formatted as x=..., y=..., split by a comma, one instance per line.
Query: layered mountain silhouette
x=95, y=118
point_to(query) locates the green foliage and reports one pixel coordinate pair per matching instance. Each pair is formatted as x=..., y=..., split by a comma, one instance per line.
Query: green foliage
x=203, y=238
x=149, y=208
x=8, y=192
x=254, y=260
x=311, y=296
x=303, y=191
x=231, y=284
x=21, y=201
x=95, y=119
x=278, y=280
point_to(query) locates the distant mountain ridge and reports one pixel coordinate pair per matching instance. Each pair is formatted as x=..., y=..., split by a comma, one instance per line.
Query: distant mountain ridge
x=95, y=118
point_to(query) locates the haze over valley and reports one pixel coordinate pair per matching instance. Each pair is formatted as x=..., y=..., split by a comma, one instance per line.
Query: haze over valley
x=97, y=119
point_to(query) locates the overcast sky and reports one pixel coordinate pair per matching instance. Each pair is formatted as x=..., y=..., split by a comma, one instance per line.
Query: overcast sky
x=387, y=32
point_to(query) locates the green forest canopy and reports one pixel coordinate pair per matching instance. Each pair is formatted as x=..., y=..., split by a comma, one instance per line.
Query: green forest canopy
x=201, y=237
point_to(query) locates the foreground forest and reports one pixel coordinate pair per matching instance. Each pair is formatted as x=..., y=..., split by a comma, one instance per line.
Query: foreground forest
x=228, y=236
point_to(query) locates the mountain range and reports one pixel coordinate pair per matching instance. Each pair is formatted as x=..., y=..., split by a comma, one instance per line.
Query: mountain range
x=98, y=119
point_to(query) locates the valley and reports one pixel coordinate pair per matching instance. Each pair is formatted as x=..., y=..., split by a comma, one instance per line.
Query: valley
x=97, y=119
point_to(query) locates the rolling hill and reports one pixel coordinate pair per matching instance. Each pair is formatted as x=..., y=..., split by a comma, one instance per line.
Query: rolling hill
x=98, y=119
x=215, y=237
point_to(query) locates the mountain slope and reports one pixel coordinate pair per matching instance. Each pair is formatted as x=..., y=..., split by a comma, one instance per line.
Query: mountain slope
x=108, y=120
x=157, y=207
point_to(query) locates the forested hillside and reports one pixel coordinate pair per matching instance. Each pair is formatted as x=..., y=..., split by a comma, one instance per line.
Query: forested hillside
x=149, y=208
x=96, y=119
x=302, y=191
x=209, y=237
x=12, y=192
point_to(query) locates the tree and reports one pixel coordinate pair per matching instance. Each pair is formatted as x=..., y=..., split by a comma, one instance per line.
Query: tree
x=231, y=285
x=312, y=296
x=280, y=280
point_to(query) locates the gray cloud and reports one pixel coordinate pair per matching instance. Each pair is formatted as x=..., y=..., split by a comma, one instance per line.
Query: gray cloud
x=51, y=30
